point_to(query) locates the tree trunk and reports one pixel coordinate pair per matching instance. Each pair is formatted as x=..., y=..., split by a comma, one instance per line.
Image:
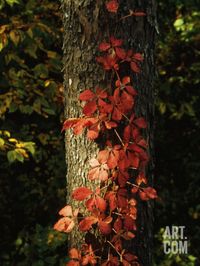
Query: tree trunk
x=86, y=24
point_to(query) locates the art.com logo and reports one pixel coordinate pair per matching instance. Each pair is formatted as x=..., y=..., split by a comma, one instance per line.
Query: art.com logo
x=174, y=240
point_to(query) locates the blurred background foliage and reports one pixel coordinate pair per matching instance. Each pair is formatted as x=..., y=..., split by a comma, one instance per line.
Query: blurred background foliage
x=32, y=163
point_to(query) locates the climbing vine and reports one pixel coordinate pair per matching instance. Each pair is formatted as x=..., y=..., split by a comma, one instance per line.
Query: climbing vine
x=119, y=168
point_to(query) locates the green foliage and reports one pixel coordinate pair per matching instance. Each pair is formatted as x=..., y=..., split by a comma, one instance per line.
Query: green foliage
x=31, y=104
x=42, y=247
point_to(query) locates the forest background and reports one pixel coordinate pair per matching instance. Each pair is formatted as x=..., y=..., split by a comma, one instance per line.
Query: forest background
x=32, y=160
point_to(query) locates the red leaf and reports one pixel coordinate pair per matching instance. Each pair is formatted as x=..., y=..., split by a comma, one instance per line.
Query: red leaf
x=135, y=67
x=129, y=223
x=101, y=93
x=111, y=197
x=141, y=179
x=65, y=224
x=127, y=133
x=66, y=211
x=90, y=108
x=112, y=6
x=90, y=203
x=74, y=254
x=115, y=42
x=87, y=223
x=93, y=131
x=133, y=159
x=81, y=193
x=101, y=204
x=103, y=156
x=134, y=190
x=104, y=46
x=118, y=225
x=120, y=52
x=105, y=228
x=140, y=122
x=138, y=57
x=151, y=192
x=70, y=123
x=126, y=80
x=99, y=172
x=86, y=95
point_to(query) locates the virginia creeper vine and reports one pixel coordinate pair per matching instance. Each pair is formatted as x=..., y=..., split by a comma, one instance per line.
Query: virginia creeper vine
x=108, y=113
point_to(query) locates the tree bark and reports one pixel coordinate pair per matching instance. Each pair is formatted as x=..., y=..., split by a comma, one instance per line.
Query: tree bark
x=86, y=24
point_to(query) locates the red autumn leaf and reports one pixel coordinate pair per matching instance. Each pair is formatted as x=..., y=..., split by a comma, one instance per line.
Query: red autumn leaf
x=78, y=124
x=116, y=42
x=81, y=193
x=112, y=261
x=89, y=108
x=66, y=211
x=151, y=192
x=129, y=259
x=134, y=160
x=90, y=204
x=140, y=122
x=138, y=57
x=111, y=197
x=124, y=162
x=87, y=223
x=70, y=123
x=86, y=95
x=108, y=62
x=122, y=178
x=104, y=46
x=105, y=228
x=122, y=200
x=135, y=67
x=127, y=235
x=118, y=224
x=100, y=204
x=141, y=179
x=99, y=171
x=134, y=190
x=89, y=257
x=64, y=224
x=127, y=101
x=93, y=131
x=120, y=52
x=129, y=223
x=110, y=156
x=112, y=6
x=74, y=254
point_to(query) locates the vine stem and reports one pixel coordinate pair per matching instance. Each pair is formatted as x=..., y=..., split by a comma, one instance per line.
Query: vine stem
x=115, y=249
x=119, y=137
x=129, y=183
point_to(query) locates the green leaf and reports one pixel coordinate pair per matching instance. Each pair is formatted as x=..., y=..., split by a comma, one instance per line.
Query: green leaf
x=1, y=142
x=49, y=111
x=19, y=156
x=30, y=146
x=41, y=71
x=11, y=155
x=12, y=2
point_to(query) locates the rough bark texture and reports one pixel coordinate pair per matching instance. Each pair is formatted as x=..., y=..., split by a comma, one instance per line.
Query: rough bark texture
x=86, y=23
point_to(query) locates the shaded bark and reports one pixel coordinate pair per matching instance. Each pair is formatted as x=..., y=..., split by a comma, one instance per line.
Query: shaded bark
x=86, y=23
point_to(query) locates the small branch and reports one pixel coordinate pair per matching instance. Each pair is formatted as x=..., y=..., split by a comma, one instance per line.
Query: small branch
x=114, y=249
x=119, y=137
